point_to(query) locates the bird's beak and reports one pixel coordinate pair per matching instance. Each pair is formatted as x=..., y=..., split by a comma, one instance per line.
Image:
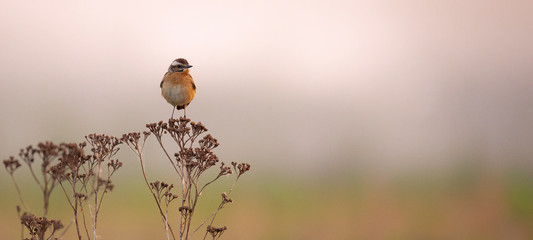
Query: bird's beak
x=188, y=66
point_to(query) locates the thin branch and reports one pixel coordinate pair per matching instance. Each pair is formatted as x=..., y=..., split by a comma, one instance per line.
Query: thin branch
x=141, y=160
x=66, y=195
x=19, y=193
x=34, y=176
x=168, y=156
x=84, y=222
x=220, y=206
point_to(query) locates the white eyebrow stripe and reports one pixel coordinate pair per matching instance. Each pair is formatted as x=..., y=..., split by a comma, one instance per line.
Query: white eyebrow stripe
x=175, y=63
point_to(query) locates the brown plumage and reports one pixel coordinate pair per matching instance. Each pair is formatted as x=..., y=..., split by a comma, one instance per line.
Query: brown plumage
x=177, y=86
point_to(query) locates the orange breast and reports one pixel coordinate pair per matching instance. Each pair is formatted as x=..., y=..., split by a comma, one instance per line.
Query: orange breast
x=177, y=88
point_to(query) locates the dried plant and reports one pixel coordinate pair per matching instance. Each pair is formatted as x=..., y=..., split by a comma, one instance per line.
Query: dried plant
x=193, y=157
x=38, y=226
x=47, y=154
x=88, y=178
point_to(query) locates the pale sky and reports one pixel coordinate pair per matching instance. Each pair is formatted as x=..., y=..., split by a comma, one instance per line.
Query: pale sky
x=385, y=83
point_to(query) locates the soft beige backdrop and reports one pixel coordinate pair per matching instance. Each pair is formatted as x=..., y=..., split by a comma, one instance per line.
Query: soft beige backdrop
x=300, y=89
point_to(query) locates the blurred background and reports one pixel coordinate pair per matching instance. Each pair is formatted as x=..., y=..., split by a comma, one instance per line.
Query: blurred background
x=361, y=119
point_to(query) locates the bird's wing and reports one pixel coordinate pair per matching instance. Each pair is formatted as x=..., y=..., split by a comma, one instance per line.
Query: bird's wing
x=193, y=85
x=161, y=84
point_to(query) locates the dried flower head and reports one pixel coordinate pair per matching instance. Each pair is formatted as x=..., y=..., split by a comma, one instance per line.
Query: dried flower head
x=198, y=128
x=11, y=165
x=184, y=209
x=216, y=232
x=37, y=226
x=225, y=170
x=114, y=164
x=130, y=138
x=241, y=168
x=225, y=198
x=208, y=142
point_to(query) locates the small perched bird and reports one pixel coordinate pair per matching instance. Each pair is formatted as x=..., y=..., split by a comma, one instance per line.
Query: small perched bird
x=177, y=86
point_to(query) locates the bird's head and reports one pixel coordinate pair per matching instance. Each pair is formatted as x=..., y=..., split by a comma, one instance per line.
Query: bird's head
x=179, y=65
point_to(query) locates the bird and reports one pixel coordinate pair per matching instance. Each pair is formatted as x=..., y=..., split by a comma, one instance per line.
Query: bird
x=177, y=86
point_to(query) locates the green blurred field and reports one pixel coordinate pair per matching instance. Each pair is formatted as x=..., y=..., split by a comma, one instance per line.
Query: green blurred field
x=462, y=203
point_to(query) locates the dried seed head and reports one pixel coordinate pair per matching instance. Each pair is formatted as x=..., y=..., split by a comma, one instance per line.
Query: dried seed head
x=224, y=170
x=184, y=209
x=80, y=196
x=215, y=231
x=11, y=165
x=37, y=227
x=225, y=198
x=155, y=185
x=243, y=168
